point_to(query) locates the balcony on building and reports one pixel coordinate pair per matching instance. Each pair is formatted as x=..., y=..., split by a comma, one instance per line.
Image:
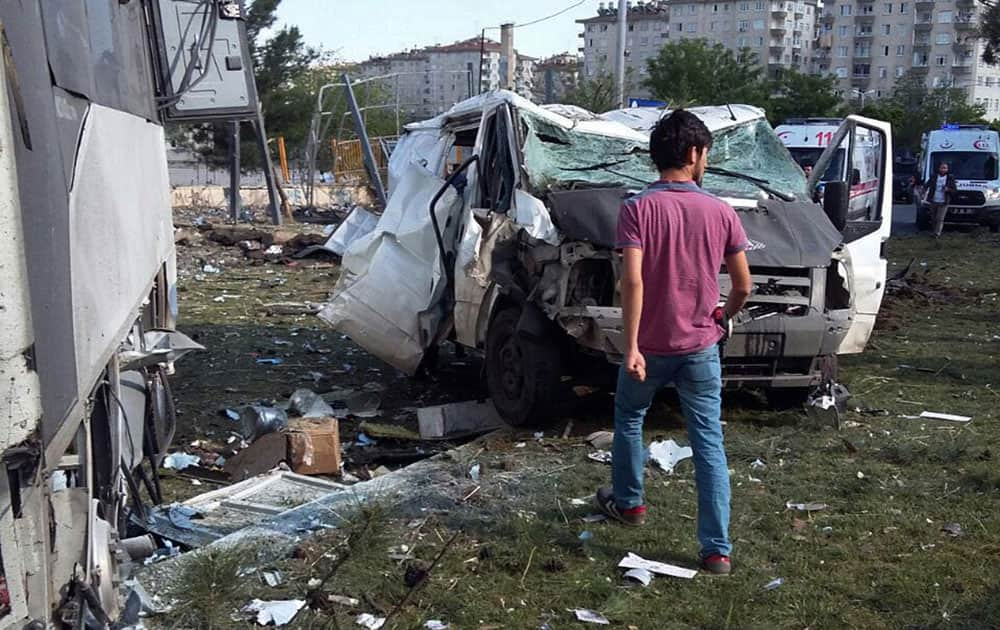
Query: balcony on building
x=778, y=27
x=863, y=55
x=962, y=65
x=921, y=43
x=861, y=80
x=777, y=46
x=864, y=18
x=925, y=5
x=779, y=10
x=864, y=33
x=962, y=47
x=923, y=23
x=965, y=22
x=828, y=18
x=962, y=4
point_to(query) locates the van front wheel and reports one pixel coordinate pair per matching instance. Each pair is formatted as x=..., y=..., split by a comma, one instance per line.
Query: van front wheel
x=522, y=372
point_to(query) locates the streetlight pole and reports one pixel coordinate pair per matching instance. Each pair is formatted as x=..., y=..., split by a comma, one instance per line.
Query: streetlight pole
x=620, y=55
x=862, y=94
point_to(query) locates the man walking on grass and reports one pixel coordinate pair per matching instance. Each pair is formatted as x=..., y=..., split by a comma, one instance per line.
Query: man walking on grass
x=940, y=187
x=674, y=238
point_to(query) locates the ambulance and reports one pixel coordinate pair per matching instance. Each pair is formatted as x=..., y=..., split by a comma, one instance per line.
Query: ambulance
x=971, y=152
x=807, y=138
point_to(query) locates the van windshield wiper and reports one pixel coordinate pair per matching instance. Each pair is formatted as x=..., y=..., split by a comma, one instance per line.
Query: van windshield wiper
x=763, y=184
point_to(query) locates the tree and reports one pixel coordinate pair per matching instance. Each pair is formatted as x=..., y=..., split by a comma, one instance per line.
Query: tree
x=989, y=30
x=794, y=94
x=599, y=94
x=694, y=72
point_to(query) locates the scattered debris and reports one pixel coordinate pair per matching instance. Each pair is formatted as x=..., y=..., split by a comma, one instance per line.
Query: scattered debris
x=389, y=431
x=308, y=404
x=278, y=612
x=953, y=529
x=589, y=616
x=370, y=621
x=363, y=440
x=436, y=624
x=757, y=464
x=828, y=530
x=180, y=461
x=601, y=457
x=586, y=536
x=933, y=415
x=340, y=600
x=600, y=439
x=272, y=578
x=257, y=421
x=827, y=404
x=270, y=361
x=474, y=472
x=642, y=576
x=457, y=420
x=595, y=518
x=773, y=584
x=314, y=446
x=806, y=507
x=667, y=454
x=632, y=561
x=364, y=405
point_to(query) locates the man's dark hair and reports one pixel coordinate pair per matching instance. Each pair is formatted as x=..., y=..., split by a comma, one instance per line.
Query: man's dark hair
x=674, y=136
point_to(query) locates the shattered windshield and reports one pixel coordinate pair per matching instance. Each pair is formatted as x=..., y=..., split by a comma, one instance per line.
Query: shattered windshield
x=555, y=156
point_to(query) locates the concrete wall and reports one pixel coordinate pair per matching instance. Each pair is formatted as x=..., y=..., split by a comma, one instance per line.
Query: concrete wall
x=218, y=196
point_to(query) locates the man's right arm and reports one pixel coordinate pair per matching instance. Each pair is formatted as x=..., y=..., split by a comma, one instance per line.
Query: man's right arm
x=739, y=275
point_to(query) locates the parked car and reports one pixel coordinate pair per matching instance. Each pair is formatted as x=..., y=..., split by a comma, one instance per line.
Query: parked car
x=519, y=260
x=904, y=179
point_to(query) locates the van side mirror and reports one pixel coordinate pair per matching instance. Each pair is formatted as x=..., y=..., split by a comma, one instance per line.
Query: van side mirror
x=836, y=200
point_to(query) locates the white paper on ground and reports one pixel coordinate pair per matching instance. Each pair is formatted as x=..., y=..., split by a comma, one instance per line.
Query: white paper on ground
x=589, y=616
x=933, y=415
x=278, y=612
x=667, y=454
x=642, y=576
x=370, y=621
x=632, y=561
x=180, y=461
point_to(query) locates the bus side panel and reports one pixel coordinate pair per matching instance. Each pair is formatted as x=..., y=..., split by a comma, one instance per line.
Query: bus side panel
x=44, y=192
x=122, y=234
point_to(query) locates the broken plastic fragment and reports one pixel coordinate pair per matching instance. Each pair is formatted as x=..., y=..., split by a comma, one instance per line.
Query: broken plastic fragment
x=601, y=457
x=806, y=507
x=933, y=415
x=273, y=578
x=270, y=361
x=757, y=464
x=642, y=576
x=632, y=561
x=595, y=518
x=278, y=612
x=773, y=584
x=436, y=624
x=589, y=616
x=474, y=472
x=308, y=404
x=667, y=454
x=370, y=621
x=363, y=440
x=953, y=529
x=180, y=461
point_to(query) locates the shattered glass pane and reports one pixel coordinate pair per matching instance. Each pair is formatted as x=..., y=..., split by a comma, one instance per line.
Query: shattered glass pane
x=555, y=157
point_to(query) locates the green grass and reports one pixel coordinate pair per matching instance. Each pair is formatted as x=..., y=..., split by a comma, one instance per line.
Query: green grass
x=883, y=563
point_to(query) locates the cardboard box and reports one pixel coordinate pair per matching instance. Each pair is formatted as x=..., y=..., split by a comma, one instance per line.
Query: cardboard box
x=309, y=447
x=314, y=446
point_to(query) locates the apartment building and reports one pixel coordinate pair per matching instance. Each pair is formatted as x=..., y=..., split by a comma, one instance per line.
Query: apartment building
x=869, y=44
x=555, y=77
x=781, y=34
x=430, y=80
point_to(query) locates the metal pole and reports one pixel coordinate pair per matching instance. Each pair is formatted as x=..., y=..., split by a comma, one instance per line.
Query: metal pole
x=397, y=104
x=482, y=57
x=234, y=173
x=370, y=164
x=620, y=54
x=265, y=153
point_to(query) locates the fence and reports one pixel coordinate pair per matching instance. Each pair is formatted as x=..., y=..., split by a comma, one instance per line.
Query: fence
x=349, y=160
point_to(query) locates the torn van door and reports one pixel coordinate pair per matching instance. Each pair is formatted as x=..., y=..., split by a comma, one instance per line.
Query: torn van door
x=392, y=282
x=859, y=202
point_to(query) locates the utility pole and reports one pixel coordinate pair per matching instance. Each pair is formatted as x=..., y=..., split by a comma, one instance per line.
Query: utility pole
x=620, y=54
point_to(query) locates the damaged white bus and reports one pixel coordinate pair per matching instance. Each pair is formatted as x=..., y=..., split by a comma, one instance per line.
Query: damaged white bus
x=87, y=280
x=512, y=251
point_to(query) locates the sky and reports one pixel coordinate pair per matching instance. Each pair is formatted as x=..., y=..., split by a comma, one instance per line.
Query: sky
x=358, y=29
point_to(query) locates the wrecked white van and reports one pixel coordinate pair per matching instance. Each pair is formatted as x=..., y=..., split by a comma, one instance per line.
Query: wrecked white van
x=511, y=251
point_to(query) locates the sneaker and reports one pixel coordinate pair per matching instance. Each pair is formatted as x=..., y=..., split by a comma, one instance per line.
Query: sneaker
x=717, y=564
x=605, y=502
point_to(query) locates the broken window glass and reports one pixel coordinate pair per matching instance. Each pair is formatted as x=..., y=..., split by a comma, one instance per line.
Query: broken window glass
x=555, y=157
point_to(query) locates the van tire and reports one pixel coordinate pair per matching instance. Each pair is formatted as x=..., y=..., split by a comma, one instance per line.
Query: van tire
x=523, y=374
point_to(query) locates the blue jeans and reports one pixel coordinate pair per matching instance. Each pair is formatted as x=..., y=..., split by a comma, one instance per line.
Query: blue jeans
x=698, y=379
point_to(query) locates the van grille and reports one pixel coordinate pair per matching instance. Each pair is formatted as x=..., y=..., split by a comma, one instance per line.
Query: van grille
x=968, y=198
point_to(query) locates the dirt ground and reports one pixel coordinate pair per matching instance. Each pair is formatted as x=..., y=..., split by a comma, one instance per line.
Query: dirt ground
x=514, y=552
